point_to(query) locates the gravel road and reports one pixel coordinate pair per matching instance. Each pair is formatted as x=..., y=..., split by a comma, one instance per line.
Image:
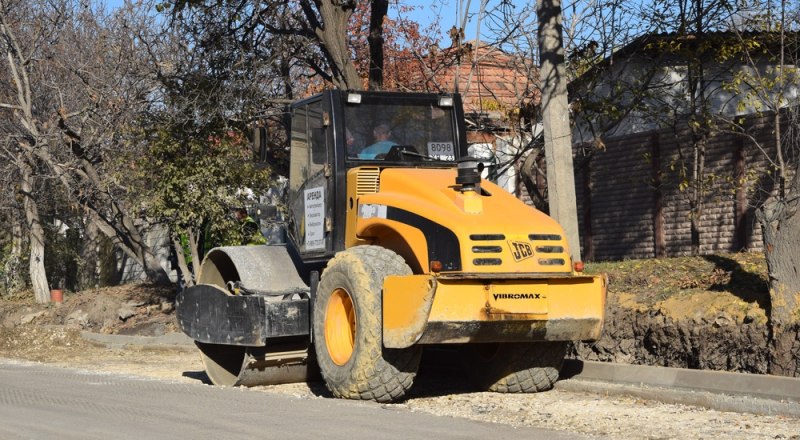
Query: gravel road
x=47, y=402
x=438, y=392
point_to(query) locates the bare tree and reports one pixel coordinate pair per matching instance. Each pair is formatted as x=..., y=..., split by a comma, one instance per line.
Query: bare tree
x=21, y=133
x=769, y=83
x=71, y=100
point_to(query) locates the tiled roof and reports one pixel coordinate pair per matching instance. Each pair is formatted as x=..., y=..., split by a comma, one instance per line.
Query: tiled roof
x=490, y=81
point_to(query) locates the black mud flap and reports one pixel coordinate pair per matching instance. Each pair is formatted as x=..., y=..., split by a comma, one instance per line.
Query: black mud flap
x=208, y=314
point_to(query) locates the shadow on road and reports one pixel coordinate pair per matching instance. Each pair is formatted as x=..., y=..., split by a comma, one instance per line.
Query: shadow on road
x=197, y=375
x=441, y=372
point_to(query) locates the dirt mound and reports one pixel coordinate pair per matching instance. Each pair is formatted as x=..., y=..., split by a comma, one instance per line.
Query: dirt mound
x=706, y=312
x=712, y=333
x=143, y=309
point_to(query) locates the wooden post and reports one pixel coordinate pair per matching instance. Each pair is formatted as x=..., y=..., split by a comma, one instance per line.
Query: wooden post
x=740, y=205
x=659, y=236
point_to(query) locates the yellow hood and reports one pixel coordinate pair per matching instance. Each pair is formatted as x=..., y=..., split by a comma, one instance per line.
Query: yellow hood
x=491, y=232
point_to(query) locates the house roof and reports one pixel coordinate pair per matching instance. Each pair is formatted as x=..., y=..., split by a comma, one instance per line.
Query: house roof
x=491, y=81
x=723, y=43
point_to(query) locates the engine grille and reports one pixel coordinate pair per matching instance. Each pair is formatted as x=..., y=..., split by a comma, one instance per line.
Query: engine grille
x=368, y=180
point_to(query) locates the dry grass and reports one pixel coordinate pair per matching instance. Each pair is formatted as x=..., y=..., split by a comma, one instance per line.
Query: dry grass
x=684, y=286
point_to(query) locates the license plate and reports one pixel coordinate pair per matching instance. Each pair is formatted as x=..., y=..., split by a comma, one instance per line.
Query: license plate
x=518, y=298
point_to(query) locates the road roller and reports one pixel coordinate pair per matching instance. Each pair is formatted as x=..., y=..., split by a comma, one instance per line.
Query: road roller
x=394, y=242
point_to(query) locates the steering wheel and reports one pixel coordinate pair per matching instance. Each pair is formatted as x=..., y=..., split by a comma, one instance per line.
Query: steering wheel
x=396, y=152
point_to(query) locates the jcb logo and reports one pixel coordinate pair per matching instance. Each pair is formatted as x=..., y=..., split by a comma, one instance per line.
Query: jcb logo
x=520, y=250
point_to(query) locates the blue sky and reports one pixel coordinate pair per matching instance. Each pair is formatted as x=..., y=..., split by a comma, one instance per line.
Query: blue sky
x=446, y=10
x=425, y=12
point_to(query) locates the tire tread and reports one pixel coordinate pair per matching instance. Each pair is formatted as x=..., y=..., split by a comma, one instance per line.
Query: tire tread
x=379, y=374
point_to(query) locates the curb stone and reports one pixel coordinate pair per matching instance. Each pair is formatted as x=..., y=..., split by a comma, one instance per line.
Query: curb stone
x=718, y=390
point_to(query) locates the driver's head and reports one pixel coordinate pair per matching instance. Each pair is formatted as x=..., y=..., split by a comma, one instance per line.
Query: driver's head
x=381, y=132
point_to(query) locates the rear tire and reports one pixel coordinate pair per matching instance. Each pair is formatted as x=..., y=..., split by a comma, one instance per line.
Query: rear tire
x=348, y=328
x=515, y=367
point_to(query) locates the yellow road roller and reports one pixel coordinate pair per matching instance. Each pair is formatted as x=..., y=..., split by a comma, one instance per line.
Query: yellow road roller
x=393, y=243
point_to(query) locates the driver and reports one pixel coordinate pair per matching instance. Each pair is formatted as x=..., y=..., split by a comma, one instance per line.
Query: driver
x=382, y=145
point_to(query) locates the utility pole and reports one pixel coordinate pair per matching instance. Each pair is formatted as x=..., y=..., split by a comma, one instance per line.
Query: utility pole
x=555, y=118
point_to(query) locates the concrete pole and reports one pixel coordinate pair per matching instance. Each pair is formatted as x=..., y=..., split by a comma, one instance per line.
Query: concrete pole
x=555, y=118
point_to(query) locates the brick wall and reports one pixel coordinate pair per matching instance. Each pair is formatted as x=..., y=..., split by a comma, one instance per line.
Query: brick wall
x=631, y=204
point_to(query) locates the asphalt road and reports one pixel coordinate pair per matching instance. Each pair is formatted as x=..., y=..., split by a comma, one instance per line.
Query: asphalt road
x=45, y=402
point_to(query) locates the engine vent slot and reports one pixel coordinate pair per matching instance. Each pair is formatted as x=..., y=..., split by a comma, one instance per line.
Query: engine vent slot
x=487, y=237
x=487, y=249
x=368, y=180
x=487, y=261
x=551, y=261
x=544, y=237
x=550, y=249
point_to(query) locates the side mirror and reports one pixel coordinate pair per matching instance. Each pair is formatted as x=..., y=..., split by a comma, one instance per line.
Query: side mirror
x=272, y=224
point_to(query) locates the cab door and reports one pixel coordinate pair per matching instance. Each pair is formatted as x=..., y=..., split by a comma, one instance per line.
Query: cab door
x=310, y=181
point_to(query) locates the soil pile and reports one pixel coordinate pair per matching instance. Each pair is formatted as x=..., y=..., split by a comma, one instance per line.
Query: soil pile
x=142, y=309
x=690, y=312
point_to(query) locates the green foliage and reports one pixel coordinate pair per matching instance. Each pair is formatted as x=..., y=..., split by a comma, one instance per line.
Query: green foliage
x=191, y=181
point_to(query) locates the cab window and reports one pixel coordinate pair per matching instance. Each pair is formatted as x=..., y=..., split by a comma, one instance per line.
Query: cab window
x=308, y=144
x=422, y=130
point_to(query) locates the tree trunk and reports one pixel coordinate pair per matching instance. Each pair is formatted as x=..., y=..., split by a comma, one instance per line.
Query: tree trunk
x=555, y=118
x=333, y=35
x=197, y=260
x=782, y=250
x=183, y=267
x=41, y=291
x=779, y=217
x=375, y=38
x=699, y=127
x=12, y=272
x=89, y=274
x=152, y=267
x=697, y=195
x=530, y=176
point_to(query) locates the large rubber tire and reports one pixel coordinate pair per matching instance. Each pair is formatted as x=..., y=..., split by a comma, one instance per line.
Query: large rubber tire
x=348, y=323
x=515, y=367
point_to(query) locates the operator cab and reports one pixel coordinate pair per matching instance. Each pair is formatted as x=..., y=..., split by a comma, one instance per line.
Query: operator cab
x=335, y=131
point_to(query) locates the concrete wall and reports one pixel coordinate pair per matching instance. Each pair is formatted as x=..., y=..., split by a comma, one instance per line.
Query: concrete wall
x=157, y=236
